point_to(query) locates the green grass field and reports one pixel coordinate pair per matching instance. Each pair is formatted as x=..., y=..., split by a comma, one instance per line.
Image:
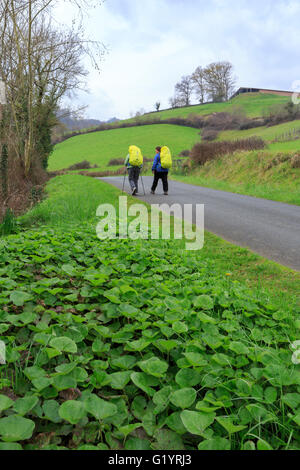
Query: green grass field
x=267, y=133
x=100, y=147
x=285, y=147
x=254, y=105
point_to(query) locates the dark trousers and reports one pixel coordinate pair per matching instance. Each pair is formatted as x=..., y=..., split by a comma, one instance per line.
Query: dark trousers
x=134, y=174
x=163, y=175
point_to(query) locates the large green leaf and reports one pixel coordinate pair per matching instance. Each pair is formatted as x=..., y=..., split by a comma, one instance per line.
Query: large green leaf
x=167, y=440
x=188, y=377
x=64, y=344
x=196, y=422
x=20, y=297
x=135, y=444
x=10, y=446
x=291, y=399
x=217, y=443
x=51, y=411
x=183, y=398
x=64, y=382
x=231, y=428
x=195, y=359
x=16, y=428
x=263, y=445
x=124, y=362
x=154, y=366
x=5, y=403
x=129, y=428
x=174, y=422
x=161, y=399
x=143, y=381
x=72, y=411
x=119, y=380
x=204, y=302
x=99, y=408
x=138, y=345
x=24, y=405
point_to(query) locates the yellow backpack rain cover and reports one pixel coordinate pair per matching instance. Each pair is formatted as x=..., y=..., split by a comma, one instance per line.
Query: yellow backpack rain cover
x=165, y=158
x=135, y=156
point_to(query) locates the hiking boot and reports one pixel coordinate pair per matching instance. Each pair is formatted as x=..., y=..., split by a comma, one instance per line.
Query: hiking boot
x=134, y=191
x=152, y=192
x=166, y=194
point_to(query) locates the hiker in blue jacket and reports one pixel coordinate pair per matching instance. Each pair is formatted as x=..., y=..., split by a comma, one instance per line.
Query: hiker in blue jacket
x=159, y=173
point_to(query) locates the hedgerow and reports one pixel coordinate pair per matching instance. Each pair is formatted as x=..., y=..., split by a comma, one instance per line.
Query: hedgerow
x=138, y=345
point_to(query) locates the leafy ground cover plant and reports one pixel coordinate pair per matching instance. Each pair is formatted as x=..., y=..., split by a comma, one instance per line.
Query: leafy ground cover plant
x=139, y=345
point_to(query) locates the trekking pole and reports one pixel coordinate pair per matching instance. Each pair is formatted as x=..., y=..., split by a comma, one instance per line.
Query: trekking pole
x=124, y=181
x=143, y=185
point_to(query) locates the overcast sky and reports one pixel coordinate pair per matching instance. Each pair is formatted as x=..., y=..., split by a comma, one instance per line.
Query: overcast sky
x=152, y=43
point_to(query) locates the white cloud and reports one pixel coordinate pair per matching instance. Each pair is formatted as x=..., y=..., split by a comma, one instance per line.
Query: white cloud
x=154, y=42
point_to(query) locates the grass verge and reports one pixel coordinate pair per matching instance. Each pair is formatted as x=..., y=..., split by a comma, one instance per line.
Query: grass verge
x=257, y=174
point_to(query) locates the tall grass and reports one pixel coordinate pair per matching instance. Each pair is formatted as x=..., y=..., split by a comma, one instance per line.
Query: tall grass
x=72, y=199
x=257, y=173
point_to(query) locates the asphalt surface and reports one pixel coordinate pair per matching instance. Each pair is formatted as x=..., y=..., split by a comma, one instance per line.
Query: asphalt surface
x=269, y=228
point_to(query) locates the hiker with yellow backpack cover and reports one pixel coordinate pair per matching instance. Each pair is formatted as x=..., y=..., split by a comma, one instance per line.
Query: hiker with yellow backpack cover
x=161, y=165
x=134, y=164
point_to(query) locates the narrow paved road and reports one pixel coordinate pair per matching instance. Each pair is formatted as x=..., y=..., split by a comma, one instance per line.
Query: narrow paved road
x=269, y=228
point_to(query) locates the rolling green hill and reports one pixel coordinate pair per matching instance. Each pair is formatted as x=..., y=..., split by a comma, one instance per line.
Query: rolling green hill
x=254, y=105
x=100, y=147
x=266, y=133
x=269, y=134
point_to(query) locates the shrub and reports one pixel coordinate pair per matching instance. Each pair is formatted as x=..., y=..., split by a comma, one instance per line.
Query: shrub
x=185, y=153
x=277, y=160
x=84, y=165
x=203, y=152
x=209, y=134
x=282, y=113
x=295, y=163
x=116, y=162
x=252, y=124
x=226, y=121
x=196, y=121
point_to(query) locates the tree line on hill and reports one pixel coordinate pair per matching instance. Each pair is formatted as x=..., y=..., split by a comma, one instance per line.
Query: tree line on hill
x=41, y=61
x=214, y=83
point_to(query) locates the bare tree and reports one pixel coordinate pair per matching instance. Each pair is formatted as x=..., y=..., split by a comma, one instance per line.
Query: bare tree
x=184, y=89
x=140, y=112
x=219, y=80
x=157, y=105
x=175, y=101
x=199, y=84
x=172, y=102
x=39, y=64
